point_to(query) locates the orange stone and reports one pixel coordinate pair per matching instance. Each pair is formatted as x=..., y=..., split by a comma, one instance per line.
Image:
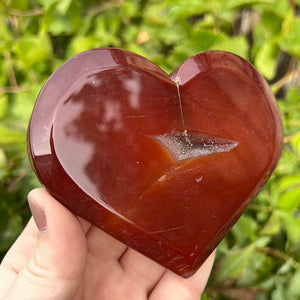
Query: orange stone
x=165, y=164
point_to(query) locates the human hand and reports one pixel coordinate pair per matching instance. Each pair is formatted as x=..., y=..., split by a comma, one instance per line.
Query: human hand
x=60, y=256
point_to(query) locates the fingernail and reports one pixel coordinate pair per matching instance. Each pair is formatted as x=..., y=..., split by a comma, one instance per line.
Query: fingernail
x=38, y=215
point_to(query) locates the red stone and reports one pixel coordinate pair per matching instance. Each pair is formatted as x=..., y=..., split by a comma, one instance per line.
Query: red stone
x=165, y=164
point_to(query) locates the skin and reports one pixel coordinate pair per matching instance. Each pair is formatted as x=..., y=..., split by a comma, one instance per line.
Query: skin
x=60, y=256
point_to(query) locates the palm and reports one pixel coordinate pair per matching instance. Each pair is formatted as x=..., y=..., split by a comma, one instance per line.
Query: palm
x=114, y=271
x=88, y=264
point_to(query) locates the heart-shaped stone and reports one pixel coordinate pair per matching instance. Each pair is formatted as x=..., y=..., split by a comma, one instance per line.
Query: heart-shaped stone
x=165, y=164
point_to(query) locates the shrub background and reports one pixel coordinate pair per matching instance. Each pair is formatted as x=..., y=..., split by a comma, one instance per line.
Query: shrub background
x=259, y=259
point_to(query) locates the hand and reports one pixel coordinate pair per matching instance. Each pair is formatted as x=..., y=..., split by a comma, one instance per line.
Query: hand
x=60, y=256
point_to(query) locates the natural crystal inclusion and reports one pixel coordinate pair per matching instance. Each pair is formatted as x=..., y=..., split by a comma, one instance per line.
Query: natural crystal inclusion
x=185, y=145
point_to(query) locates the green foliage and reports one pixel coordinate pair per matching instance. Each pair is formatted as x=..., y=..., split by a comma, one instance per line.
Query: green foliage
x=259, y=259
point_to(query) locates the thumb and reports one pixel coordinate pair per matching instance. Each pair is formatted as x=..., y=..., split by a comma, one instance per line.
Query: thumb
x=56, y=267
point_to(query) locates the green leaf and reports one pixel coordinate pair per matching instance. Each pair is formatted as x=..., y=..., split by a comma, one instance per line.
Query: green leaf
x=10, y=226
x=3, y=71
x=60, y=26
x=203, y=40
x=129, y=8
x=233, y=4
x=289, y=201
x=46, y=4
x=5, y=36
x=266, y=59
x=279, y=7
x=273, y=225
x=19, y=4
x=271, y=24
x=8, y=136
x=292, y=227
x=63, y=6
x=106, y=31
x=235, y=263
x=69, y=22
x=23, y=104
x=289, y=182
x=48, y=16
x=294, y=286
x=296, y=142
x=244, y=229
x=158, y=13
x=278, y=293
x=31, y=50
x=3, y=162
x=290, y=41
x=237, y=45
x=3, y=105
x=82, y=43
x=182, y=9
x=257, y=261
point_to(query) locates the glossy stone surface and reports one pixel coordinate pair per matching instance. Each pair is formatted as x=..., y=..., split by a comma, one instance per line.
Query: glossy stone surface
x=165, y=164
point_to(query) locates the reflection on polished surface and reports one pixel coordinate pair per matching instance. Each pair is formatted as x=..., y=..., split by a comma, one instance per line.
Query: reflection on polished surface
x=164, y=164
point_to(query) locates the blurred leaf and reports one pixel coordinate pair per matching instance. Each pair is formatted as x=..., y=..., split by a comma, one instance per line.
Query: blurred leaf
x=19, y=4
x=3, y=105
x=279, y=7
x=33, y=49
x=81, y=44
x=289, y=201
x=206, y=40
x=172, y=36
x=271, y=23
x=3, y=162
x=235, y=263
x=266, y=59
x=244, y=229
x=296, y=142
x=5, y=36
x=10, y=226
x=159, y=12
x=278, y=293
x=290, y=41
x=292, y=227
x=8, y=136
x=293, y=286
x=182, y=9
x=46, y=4
x=129, y=8
x=289, y=182
x=70, y=20
x=272, y=226
x=48, y=16
x=200, y=41
x=62, y=5
x=106, y=31
x=23, y=104
x=231, y=4
x=257, y=261
x=236, y=45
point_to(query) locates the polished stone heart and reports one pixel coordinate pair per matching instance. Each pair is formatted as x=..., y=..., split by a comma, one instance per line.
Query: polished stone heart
x=165, y=164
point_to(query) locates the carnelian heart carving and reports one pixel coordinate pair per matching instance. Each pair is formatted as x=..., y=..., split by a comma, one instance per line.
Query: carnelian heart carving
x=164, y=164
